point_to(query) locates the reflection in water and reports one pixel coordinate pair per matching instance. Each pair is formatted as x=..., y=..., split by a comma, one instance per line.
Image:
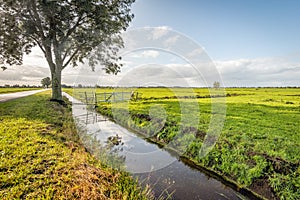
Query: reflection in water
x=152, y=165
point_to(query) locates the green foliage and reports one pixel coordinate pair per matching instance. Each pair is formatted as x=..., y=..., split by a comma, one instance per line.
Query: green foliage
x=46, y=82
x=286, y=186
x=216, y=84
x=66, y=31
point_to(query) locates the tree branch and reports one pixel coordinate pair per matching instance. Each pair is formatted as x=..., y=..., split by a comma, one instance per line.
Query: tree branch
x=46, y=47
x=48, y=55
x=66, y=52
x=38, y=43
x=36, y=19
x=71, y=57
x=71, y=30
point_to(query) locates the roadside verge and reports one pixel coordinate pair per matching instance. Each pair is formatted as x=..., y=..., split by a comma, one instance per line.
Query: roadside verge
x=41, y=156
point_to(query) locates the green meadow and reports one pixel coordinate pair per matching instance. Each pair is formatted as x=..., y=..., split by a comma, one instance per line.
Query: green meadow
x=11, y=90
x=259, y=144
x=42, y=156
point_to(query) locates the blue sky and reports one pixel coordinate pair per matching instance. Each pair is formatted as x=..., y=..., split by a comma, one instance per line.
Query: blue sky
x=250, y=42
x=228, y=29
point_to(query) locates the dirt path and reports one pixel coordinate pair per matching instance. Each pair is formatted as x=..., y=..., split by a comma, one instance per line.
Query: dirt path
x=15, y=95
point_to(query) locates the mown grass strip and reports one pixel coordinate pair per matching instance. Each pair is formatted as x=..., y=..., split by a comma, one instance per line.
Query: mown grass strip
x=41, y=156
x=12, y=90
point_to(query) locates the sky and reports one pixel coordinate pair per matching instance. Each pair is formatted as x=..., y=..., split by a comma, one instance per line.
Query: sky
x=228, y=29
x=247, y=43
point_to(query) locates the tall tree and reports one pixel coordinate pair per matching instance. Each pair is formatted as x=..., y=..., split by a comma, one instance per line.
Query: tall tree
x=216, y=84
x=46, y=82
x=67, y=32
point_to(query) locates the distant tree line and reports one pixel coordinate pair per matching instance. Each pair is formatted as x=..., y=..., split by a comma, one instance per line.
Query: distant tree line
x=216, y=85
x=29, y=86
x=19, y=86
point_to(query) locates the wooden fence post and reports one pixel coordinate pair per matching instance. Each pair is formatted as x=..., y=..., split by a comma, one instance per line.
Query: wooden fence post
x=86, y=100
x=95, y=99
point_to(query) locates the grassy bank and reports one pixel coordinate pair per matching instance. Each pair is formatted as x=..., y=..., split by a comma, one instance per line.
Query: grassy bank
x=259, y=144
x=12, y=90
x=41, y=156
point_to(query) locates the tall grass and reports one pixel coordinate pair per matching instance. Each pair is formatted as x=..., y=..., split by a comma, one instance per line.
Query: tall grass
x=259, y=144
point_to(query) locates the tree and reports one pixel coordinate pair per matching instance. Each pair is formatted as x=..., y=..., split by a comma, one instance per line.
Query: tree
x=46, y=82
x=216, y=84
x=67, y=32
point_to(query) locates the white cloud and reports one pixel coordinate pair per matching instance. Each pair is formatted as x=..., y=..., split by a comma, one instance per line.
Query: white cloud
x=171, y=40
x=36, y=57
x=260, y=72
x=150, y=54
x=195, y=52
x=143, y=54
x=167, y=75
x=159, y=32
x=23, y=75
x=284, y=71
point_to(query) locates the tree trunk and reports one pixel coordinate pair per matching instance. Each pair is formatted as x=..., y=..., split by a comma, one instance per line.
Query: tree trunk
x=55, y=67
x=56, y=84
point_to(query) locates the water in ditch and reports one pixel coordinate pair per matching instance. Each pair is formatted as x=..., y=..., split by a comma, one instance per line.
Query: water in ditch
x=165, y=173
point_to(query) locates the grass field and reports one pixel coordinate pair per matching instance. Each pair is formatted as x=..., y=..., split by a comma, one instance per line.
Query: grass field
x=258, y=148
x=11, y=90
x=42, y=157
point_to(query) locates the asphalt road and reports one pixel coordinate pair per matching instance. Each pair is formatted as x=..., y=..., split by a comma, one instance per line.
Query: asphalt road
x=15, y=95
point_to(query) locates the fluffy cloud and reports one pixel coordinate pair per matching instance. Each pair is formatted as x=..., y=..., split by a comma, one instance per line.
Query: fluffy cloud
x=260, y=72
x=171, y=40
x=266, y=72
x=240, y=72
x=167, y=75
x=150, y=53
x=26, y=74
x=143, y=54
x=195, y=52
x=159, y=32
x=150, y=63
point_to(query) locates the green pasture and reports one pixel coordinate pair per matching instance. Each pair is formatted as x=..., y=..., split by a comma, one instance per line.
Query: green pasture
x=11, y=90
x=259, y=141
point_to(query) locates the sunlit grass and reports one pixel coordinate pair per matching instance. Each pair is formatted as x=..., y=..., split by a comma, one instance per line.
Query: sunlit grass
x=12, y=90
x=42, y=157
x=260, y=139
